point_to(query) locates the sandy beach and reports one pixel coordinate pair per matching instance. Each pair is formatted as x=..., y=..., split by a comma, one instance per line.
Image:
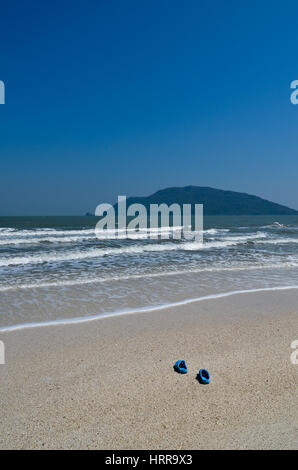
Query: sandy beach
x=110, y=384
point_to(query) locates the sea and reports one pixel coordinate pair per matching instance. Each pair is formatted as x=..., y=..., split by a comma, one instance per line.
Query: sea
x=58, y=270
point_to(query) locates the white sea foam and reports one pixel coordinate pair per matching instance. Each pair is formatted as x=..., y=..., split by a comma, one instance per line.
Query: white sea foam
x=38, y=240
x=151, y=308
x=22, y=240
x=91, y=231
x=54, y=257
x=240, y=238
x=279, y=241
x=80, y=255
x=274, y=225
x=47, y=231
x=32, y=237
x=97, y=280
x=68, y=239
x=213, y=231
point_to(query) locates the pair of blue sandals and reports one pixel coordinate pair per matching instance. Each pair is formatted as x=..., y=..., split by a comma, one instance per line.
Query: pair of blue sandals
x=203, y=375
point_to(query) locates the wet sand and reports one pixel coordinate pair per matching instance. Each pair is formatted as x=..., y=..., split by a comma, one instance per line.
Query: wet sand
x=110, y=384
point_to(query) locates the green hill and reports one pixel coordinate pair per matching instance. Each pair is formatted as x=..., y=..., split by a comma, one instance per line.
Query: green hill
x=216, y=201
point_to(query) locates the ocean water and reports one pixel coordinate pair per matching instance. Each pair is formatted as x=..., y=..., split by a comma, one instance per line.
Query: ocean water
x=55, y=268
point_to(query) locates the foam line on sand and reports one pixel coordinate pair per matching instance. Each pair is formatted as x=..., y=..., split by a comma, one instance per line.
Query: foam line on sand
x=152, y=308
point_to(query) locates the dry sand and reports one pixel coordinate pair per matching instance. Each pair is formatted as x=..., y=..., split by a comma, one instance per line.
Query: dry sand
x=110, y=383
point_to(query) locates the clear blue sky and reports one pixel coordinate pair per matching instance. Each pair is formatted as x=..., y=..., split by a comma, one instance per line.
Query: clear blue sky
x=113, y=97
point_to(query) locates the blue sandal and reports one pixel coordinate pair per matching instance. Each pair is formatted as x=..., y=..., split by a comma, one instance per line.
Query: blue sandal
x=203, y=376
x=181, y=367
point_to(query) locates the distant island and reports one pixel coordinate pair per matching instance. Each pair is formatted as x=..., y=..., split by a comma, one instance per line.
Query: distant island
x=216, y=201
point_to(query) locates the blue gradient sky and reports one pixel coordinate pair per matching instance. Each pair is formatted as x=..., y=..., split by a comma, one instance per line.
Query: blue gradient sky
x=127, y=97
